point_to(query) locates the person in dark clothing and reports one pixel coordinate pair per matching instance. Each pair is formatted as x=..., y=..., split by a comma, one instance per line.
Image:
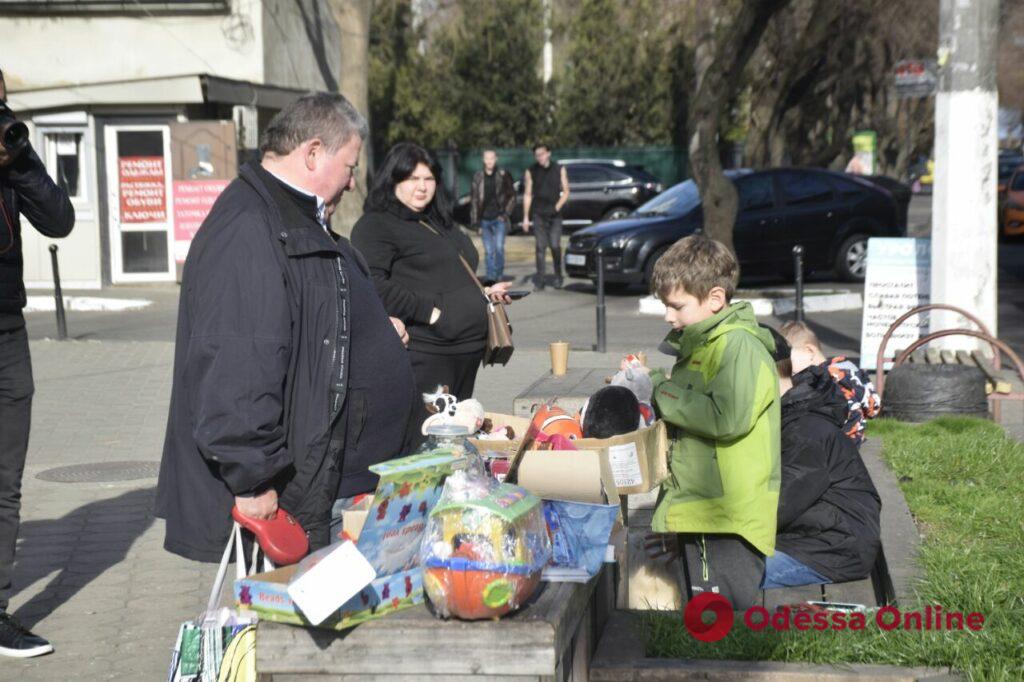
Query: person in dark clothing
x=289, y=378
x=546, y=189
x=492, y=198
x=25, y=189
x=423, y=266
x=828, y=519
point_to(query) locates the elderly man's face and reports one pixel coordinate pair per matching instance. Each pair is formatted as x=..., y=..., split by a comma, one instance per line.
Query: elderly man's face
x=332, y=175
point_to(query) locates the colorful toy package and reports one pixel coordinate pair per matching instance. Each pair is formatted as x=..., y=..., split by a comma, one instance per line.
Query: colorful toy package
x=408, y=490
x=484, y=549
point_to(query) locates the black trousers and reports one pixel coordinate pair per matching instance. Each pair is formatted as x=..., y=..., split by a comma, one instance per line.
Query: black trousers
x=457, y=372
x=726, y=564
x=16, y=388
x=548, y=233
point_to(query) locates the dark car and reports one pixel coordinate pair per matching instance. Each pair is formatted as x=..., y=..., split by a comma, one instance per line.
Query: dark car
x=598, y=191
x=830, y=214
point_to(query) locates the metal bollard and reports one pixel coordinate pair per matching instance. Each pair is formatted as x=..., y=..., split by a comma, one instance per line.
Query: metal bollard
x=602, y=322
x=58, y=296
x=798, y=271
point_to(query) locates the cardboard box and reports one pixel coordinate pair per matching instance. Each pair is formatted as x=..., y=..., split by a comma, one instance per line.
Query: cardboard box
x=637, y=461
x=573, y=475
x=506, y=447
x=408, y=489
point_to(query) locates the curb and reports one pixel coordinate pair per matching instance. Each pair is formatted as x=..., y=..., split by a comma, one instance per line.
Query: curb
x=763, y=306
x=85, y=304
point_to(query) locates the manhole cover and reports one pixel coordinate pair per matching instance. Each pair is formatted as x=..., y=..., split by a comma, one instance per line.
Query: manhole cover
x=101, y=472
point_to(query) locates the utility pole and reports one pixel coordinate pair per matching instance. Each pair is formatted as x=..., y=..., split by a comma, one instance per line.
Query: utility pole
x=964, y=231
x=548, y=51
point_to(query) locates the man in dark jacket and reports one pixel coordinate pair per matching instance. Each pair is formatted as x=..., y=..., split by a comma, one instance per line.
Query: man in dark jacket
x=492, y=198
x=25, y=188
x=289, y=377
x=828, y=517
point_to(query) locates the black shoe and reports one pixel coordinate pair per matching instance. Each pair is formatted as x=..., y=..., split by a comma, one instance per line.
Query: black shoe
x=559, y=283
x=538, y=287
x=17, y=641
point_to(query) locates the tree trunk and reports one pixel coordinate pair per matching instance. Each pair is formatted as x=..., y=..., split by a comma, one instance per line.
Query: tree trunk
x=353, y=20
x=730, y=35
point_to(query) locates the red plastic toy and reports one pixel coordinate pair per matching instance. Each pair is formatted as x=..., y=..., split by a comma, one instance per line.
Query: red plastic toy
x=281, y=538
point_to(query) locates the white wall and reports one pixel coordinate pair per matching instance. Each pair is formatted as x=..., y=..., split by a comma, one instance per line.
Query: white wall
x=52, y=51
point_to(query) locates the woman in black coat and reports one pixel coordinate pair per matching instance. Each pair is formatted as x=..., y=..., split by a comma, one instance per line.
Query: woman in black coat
x=416, y=253
x=828, y=518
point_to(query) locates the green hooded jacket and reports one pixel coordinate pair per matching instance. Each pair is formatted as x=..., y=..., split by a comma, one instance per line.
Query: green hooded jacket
x=721, y=404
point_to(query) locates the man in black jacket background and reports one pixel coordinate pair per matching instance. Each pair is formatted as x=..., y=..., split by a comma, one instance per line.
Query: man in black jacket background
x=289, y=378
x=25, y=189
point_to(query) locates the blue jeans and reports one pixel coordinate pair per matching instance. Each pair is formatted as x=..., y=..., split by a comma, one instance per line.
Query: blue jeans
x=782, y=570
x=493, y=234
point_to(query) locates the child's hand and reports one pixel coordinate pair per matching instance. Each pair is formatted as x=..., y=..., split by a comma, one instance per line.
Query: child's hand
x=661, y=546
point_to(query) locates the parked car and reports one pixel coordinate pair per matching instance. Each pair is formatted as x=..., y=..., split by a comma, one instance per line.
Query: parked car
x=598, y=190
x=1013, y=211
x=830, y=214
x=1009, y=160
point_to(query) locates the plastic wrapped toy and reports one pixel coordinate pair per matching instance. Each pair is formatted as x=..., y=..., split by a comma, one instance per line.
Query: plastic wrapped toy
x=484, y=549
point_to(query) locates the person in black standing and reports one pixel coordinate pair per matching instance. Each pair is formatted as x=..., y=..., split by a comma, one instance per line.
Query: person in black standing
x=423, y=266
x=546, y=189
x=289, y=379
x=25, y=188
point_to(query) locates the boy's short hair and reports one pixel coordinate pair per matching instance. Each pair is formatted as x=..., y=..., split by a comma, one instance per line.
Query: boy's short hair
x=798, y=334
x=697, y=264
x=541, y=145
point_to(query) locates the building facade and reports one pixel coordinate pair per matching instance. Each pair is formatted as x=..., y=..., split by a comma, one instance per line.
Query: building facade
x=142, y=110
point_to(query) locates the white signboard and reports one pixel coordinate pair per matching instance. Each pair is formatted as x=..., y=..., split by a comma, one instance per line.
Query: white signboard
x=898, y=279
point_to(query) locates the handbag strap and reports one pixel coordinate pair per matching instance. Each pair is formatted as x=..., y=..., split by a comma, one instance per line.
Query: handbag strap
x=463, y=261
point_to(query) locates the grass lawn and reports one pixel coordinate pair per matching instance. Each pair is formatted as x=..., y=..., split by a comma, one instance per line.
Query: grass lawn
x=964, y=483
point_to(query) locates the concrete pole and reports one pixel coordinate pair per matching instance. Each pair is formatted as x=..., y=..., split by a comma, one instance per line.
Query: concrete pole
x=964, y=231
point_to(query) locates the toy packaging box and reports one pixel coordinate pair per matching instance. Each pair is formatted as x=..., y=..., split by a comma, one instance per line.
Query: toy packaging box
x=408, y=489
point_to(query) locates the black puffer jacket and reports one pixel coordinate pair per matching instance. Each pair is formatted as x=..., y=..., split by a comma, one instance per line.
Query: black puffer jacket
x=27, y=189
x=417, y=269
x=828, y=508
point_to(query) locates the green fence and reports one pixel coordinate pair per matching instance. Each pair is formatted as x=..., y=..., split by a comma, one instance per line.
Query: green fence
x=668, y=164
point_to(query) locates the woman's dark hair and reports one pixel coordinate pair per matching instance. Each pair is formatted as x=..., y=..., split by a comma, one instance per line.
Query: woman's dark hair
x=397, y=166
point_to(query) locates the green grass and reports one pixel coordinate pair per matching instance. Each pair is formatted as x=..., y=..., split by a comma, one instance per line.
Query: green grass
x=964, y=483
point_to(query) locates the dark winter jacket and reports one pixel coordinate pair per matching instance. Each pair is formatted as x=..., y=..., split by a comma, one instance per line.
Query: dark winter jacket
x=504, y=188
x=26, y=188
x=829, y=508
x=417, y=269
x=262, y=369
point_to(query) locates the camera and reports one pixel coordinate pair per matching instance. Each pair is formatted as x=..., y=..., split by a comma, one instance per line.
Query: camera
x=13, y=133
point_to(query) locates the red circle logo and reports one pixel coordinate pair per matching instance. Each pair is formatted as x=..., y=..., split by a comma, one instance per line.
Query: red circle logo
x=716, y=604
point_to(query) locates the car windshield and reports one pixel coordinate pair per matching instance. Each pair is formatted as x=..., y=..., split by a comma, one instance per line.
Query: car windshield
x=677, y=200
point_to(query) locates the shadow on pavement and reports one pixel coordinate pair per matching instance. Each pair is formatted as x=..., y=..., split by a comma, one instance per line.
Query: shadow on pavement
x=81, y=546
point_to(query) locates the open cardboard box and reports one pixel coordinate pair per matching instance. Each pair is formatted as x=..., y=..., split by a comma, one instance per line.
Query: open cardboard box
x=637, y=462
x=507, y=447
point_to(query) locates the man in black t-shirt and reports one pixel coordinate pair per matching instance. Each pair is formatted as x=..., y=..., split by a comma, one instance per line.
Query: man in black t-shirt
x=546, y=191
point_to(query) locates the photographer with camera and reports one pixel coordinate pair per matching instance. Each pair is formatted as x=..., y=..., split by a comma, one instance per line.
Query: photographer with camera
x=25, y=188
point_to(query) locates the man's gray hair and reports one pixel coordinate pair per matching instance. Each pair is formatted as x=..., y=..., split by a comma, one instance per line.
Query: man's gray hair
x=329, y=117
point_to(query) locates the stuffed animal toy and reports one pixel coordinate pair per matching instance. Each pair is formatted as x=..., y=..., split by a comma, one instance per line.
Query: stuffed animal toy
x=611, y=411
x=551, y=420
x=440, y=401
x=467, y=413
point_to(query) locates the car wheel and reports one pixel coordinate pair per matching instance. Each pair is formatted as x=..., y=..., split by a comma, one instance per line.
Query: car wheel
x=852, y=258
x=616, y=213
x=649, y=265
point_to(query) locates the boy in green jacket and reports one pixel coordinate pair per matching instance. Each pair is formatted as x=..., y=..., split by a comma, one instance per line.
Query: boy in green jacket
x=721, y=402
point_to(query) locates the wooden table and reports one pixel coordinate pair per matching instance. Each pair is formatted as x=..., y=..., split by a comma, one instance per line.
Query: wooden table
x=551, y=639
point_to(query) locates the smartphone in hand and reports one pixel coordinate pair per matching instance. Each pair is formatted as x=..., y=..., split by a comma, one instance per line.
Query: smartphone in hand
x=516, y=295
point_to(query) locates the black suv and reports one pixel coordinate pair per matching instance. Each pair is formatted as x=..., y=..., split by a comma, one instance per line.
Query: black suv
x=598, y=191
x=830, y=214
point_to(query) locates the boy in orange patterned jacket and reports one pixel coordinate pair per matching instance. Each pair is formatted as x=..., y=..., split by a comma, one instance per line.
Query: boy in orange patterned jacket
x=862, y=400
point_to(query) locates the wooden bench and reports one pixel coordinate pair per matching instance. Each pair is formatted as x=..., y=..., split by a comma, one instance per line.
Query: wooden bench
x=551, y=639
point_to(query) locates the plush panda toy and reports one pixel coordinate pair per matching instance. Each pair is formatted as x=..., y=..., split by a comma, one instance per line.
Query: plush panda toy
x=611, y=411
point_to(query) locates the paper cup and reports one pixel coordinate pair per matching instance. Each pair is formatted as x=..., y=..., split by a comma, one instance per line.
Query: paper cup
x=559, y=358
